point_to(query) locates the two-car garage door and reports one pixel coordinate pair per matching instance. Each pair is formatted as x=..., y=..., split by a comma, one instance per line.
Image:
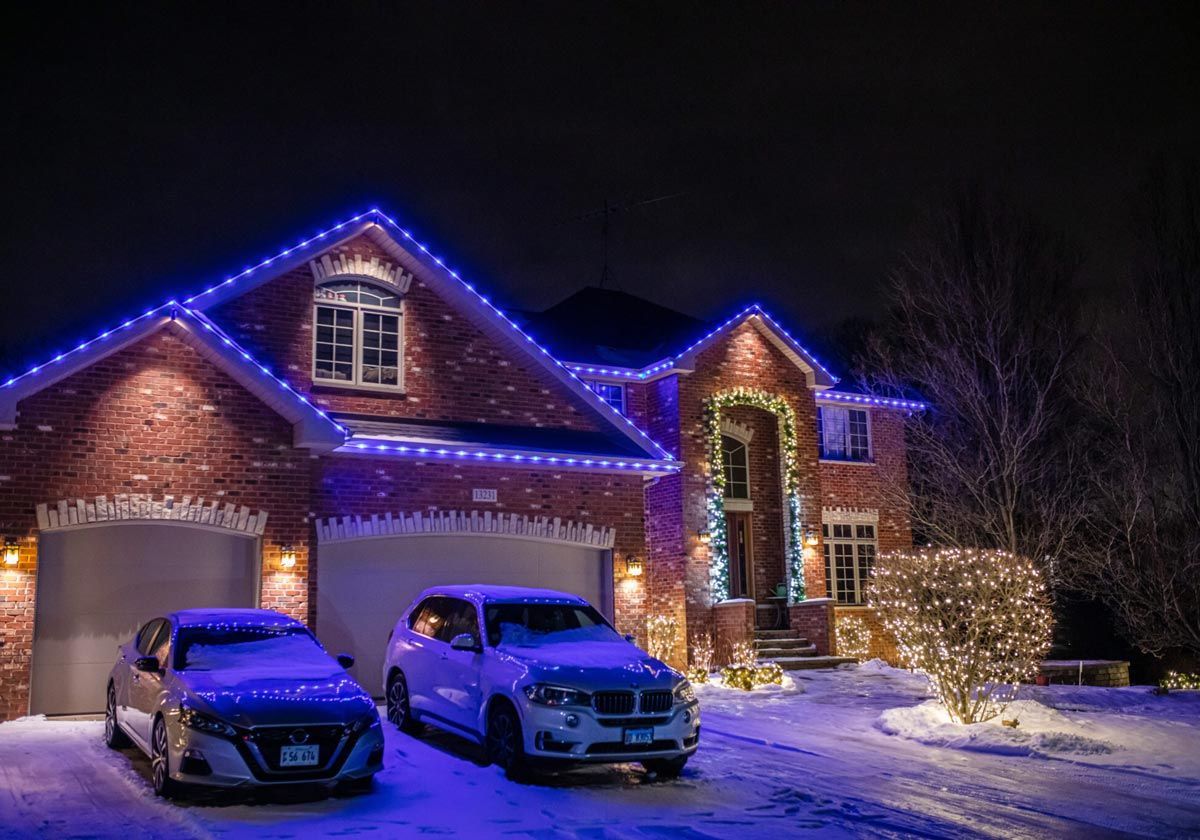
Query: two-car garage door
x=97, y=584
x=364, y=584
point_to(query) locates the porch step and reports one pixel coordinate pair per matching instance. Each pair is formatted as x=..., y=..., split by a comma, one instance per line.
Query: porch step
x=762, y=635
x=792, y=642
x=807, y=663
x=773, y=654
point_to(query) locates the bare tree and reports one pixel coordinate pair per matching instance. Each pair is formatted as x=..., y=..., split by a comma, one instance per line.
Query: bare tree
x=1139, y=550
x=981, y=327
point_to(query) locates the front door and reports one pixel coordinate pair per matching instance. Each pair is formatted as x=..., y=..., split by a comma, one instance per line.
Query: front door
x=741, y=583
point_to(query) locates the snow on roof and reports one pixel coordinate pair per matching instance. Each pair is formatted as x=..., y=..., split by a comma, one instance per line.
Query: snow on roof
x=248, y=617
x=478, y=593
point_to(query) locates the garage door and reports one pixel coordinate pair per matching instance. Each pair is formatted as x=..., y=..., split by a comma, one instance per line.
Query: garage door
x=364, y=584
x=97, y=584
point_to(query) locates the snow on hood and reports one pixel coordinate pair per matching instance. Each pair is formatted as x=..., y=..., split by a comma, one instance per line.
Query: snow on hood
x=589, y=658
x=281, y=680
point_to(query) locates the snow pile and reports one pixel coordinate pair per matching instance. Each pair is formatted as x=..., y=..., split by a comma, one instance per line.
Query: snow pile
x=292, y=656
x=1041, y=731
x=716, y=686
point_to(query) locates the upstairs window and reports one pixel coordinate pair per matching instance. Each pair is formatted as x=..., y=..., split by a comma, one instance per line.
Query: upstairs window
x=612, y=393
x=357, y=335
x=843, y=434
x=849, y=558
x=734, y=458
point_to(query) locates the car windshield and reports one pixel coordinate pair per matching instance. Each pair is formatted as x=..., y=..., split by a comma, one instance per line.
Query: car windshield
x=537, y=624
x=223, y=648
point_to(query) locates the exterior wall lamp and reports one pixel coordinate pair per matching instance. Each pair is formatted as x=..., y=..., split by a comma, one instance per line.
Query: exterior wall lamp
x=705, y=537
x=810, y=537
x=287, y=556
x=634, y=566
x=12, y=551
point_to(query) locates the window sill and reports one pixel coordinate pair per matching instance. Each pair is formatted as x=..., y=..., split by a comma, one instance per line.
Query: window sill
x=320, y=385
x=847, y=463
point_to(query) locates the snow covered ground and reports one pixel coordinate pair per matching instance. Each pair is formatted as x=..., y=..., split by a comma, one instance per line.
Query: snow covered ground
x=852, y=752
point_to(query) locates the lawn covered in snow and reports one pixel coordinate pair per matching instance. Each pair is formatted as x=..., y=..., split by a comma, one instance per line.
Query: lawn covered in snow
x=859, y=751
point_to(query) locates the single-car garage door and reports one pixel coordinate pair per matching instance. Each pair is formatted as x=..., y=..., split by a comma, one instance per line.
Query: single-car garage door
x=364, y=584
x=97, y=584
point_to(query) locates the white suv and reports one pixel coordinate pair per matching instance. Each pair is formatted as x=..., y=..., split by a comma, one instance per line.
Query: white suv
x=547, y=681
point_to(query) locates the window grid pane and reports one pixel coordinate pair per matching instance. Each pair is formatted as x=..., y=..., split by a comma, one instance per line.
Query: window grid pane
x=849, y=559
x=612, y=393
x=381, y=349
x=842, y=434
x=737, y=472
x=334, y=348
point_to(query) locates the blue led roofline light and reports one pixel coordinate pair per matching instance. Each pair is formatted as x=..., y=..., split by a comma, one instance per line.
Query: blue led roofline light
x=483, y=456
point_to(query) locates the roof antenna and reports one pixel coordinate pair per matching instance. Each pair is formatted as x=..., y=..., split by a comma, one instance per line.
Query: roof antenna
x=607, y=212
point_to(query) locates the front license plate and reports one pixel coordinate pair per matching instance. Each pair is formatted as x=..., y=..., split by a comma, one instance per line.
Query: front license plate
x=639, y=736
x=304, y=755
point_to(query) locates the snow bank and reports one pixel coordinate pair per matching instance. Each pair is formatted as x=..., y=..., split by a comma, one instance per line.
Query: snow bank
x=716, y=686
x=1041, y=731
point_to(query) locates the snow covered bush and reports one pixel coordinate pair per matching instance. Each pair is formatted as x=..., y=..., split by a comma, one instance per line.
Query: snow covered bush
x=1177, y=681
x=702, y=658
x=975, y=622
x=661, y=631
x=744, y=671
x=853, y=636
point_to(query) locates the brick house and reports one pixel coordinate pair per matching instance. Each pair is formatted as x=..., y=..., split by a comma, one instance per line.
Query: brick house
x=340, y=426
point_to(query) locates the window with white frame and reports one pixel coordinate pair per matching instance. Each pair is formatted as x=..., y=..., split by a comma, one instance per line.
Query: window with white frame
x=357, y=335
x=735, y=462
x=843, y=433
x=849, y=556
x=612, y=393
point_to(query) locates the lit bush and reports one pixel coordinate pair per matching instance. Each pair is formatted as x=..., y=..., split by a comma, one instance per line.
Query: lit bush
x=661, y=631
x=853, y=636
x=702, y=658
x=745, y=672
x=976, y=622
x=1176, y=681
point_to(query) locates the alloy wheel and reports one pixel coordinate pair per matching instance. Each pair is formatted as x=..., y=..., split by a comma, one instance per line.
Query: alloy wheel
x=158, y=758
x=397, y=702
x=110, y=715
x=502, y=739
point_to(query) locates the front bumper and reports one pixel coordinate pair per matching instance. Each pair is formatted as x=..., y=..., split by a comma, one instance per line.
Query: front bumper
x=199, y=758
x=600, y=738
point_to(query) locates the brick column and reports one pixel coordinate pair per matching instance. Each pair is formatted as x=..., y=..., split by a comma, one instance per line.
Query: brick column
x=733, y=622
x=813, y=619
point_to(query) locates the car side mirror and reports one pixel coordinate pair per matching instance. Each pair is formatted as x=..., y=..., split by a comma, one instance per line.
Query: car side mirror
x=629, y=637
x=148, y=664
x=465, y=641
x=345, y=660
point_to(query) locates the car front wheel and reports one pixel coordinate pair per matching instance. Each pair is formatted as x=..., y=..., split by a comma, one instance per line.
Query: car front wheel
x=504, y=743
x=160, y=766
x=399, y=712
x=114, y=737
x=666, y=768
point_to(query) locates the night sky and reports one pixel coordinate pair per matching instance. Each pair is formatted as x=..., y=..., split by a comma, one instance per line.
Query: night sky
x=147, y=154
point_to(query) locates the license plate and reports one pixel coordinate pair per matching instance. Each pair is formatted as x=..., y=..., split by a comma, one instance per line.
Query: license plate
x=304, y=755
x=639, y=736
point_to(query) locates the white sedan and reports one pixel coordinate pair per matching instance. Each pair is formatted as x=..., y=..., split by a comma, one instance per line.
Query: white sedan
x=537, y=677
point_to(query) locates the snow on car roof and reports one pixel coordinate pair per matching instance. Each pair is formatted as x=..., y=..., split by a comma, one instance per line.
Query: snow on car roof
x=249, y=617
x=478, y=592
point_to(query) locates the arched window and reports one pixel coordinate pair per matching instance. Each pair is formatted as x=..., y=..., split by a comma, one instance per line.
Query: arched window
x=737, y=472
x=357, y=335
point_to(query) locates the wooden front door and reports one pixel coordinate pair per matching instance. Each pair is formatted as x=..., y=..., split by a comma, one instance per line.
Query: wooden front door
x=741, y=574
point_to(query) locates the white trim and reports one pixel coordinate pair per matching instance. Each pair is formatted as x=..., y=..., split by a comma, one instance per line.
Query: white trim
x=457, y=523
x=739, y=505
x=357, y=310
x=736, y=430
x=849, y=516
x=475, y=455
x=339, y=266
x=135, y=507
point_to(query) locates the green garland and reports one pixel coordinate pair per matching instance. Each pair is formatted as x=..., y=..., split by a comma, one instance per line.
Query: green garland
x=718, y=572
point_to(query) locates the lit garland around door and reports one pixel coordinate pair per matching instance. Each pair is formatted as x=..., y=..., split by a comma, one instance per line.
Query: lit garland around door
x=718, y=572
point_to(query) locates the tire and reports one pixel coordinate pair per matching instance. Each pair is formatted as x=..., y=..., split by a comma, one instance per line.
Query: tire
x=504, y=742
x=160, y=763
x=666, y=768
x=114, y=737
x=399, y=711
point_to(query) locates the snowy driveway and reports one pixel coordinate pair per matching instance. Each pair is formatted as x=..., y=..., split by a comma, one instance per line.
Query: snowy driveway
x=812, y=763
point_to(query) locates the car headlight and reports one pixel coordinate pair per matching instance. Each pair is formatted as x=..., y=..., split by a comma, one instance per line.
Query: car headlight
x=204, y=723
x=684, y=693
x=363, y=723
x=556, y=695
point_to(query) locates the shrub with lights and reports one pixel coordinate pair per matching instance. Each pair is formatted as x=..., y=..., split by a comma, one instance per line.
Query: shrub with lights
x=744, y=671
x=661, y=632
x=976, y=622
x=719, y=539
x=1177, y=681
x=853, y=636
x=702, y=658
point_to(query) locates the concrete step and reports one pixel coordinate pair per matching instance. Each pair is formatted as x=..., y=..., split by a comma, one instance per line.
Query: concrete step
x=787, y=653
x=793, y=642
x=774, y=634
x=805, y=663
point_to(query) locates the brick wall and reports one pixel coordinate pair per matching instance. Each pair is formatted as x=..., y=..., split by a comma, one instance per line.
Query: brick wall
x=153, y=419
x=452, y=371
x=814, y=620
x=733, y=623
x=882, y=644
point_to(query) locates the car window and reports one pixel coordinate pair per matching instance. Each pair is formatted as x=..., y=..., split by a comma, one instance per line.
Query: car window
x=431, y=615
x=147, y=635
x=539, y=622
x=159, y=648
x=460, y=618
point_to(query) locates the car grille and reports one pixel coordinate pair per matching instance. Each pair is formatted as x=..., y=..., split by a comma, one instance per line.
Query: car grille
x=271, y=740
x=655, y=701
x=610, y=747
x=613, y=702
x=634, y=721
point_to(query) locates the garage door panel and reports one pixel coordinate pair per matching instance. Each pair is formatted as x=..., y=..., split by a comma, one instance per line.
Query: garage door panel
x=364, y=585
x=97, y=585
